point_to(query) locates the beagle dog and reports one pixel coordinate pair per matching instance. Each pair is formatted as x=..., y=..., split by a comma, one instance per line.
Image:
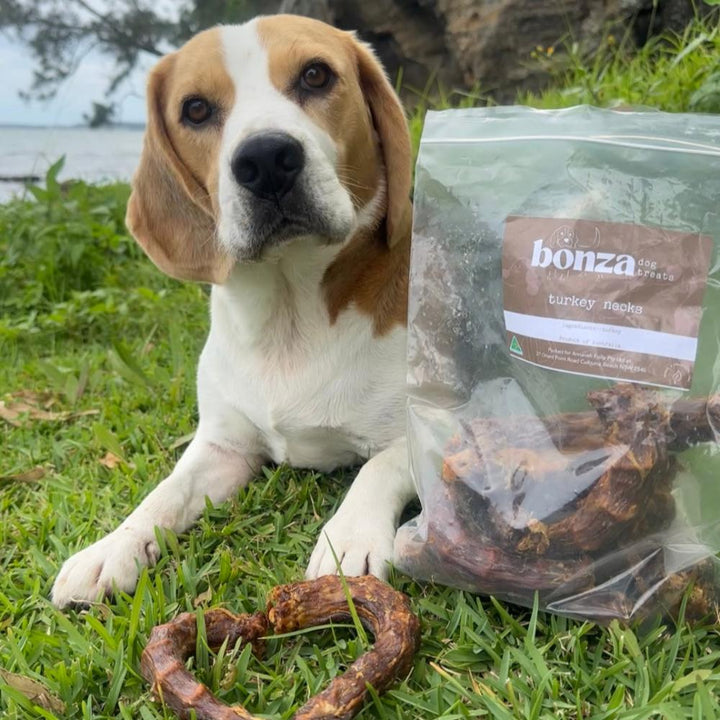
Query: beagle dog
x=277, y=166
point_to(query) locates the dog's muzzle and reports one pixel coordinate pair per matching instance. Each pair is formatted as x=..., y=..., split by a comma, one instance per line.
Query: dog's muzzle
x=278, y=195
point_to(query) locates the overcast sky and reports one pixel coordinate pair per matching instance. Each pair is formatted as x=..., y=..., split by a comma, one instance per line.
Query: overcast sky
x=75, y=96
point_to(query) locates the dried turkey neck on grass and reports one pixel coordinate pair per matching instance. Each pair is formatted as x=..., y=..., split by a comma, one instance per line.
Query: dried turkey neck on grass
x=383, y=611
x=163, y=661
x=575, y=483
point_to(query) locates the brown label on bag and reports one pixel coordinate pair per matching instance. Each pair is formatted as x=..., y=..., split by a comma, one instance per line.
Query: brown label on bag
x=604, y=299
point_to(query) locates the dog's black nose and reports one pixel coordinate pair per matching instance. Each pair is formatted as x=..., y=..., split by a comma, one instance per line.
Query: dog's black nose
x=268, y=164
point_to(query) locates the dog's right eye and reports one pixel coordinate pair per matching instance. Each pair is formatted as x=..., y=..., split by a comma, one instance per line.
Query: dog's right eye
x=196, y=111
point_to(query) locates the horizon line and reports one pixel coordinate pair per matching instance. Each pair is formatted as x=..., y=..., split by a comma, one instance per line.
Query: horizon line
x=75, y=126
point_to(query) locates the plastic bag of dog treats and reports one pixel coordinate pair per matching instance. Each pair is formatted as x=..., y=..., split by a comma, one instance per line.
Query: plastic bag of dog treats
x=564, y=364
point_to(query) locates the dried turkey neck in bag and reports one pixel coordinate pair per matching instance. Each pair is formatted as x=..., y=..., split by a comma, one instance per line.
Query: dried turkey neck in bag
x=485, y=528
x=575, y=483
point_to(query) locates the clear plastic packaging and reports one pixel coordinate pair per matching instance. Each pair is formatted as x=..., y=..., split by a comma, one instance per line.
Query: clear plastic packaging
x=563, y=374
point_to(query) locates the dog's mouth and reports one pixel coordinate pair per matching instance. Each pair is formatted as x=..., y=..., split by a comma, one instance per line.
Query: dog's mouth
x=273, y=232
x=273, y=225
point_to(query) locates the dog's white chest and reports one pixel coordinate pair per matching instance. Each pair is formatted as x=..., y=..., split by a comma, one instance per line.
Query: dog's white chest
x=319, y=395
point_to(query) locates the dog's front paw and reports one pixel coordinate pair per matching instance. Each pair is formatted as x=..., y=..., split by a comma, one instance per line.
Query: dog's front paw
x=362, y=546
x=113, y=561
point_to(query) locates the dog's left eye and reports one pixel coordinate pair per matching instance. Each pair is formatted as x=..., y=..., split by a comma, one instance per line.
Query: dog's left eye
x=316, y=76
x=196, y=111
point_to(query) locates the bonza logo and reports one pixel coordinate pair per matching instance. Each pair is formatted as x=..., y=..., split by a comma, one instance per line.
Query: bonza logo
x=582, y=260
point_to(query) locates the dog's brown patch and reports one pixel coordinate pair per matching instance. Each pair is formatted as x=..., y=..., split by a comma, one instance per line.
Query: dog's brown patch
x=373, y=277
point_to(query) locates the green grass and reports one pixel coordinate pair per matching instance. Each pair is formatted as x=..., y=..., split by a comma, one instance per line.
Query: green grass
x=98, y=338
x=673, y=72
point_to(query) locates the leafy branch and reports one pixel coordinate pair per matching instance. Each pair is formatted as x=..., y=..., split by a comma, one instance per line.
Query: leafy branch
x=61, y=33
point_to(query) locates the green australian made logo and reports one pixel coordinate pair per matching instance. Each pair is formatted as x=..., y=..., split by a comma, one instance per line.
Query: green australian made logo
x=515, y=346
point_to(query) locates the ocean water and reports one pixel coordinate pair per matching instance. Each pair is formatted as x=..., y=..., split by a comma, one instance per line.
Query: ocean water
x=92, y=155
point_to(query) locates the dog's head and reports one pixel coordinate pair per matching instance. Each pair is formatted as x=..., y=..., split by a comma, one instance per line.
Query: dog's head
x=260, y=133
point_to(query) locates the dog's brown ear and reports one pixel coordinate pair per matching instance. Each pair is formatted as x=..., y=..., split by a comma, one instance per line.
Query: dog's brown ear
x=169, y=212
x=391, y=126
